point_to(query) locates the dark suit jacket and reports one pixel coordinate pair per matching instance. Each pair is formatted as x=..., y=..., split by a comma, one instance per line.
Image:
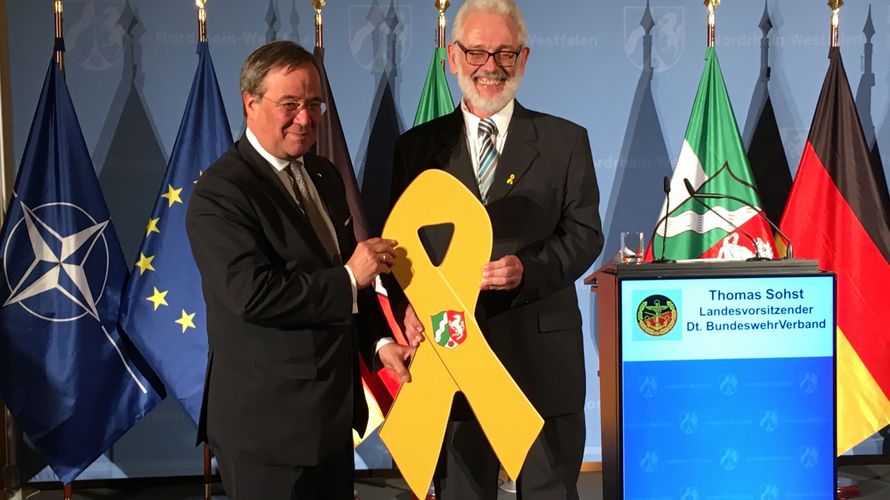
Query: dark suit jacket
x=543, y=205
x=282, y=383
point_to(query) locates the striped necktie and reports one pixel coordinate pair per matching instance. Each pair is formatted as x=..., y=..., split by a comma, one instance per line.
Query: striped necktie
x=488, y=156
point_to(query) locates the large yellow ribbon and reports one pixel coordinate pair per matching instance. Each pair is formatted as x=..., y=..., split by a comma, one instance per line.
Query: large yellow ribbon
x=415, y=427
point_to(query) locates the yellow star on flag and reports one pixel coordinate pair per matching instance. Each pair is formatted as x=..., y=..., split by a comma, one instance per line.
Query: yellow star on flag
x=158, y=298
x=186, y=321
x=144, y=263
x=152, y=227
x=172, y=195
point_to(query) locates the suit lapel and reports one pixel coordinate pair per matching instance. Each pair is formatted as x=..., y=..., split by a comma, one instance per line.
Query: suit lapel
x=454, y=156
x=288, y=205
x=266, y=172
x=518, y=155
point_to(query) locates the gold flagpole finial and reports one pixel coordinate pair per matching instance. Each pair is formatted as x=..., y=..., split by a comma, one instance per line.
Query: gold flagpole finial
x=319, y=23
x=202, y=20
x=442, y=6
x=712, y=21
x=58, y=10
x=835, y=20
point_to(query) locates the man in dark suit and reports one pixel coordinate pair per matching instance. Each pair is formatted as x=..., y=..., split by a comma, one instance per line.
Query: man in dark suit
x=535, y=174
x=270, y=231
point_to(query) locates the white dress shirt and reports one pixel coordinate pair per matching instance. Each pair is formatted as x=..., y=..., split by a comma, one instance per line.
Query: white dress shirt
x=280, y=165
x=474, y=142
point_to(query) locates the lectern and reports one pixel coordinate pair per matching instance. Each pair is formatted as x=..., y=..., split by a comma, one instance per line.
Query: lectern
x=717, y=379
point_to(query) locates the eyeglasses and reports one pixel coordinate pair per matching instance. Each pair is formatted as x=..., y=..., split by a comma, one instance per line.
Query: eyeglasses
x=478, y=57
x=293, y=107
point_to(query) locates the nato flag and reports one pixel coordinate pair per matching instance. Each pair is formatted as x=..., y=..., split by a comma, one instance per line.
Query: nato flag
x=66, y=372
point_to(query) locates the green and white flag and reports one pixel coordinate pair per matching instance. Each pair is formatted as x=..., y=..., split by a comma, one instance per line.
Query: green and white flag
x=435, y=100
x=713, y=160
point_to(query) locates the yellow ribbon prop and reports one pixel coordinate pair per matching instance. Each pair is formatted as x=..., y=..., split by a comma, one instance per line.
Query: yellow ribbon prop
x=415, y=427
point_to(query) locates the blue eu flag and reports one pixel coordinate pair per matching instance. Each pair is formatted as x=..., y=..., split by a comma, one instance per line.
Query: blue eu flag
x=163, y=307
x=70, y=378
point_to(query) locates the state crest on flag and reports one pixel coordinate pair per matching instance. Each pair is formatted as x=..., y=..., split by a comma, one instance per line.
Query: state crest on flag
x=449, y=329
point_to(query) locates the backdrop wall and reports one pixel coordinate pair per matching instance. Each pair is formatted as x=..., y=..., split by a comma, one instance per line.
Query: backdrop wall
x=129, y=67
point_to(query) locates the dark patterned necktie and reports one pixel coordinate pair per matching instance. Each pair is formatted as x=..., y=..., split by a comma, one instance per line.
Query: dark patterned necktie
x=313, y=212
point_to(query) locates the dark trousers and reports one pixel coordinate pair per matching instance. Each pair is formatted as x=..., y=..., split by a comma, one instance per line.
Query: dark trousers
x=331, y=479
x=468, y=467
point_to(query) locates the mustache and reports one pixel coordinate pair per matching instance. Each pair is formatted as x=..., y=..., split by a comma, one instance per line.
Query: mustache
x=493, y=75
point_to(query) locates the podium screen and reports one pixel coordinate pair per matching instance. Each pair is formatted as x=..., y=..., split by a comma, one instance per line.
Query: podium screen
x=727, y=387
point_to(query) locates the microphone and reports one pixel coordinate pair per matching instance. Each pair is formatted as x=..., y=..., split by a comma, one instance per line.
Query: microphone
x=789, y=253
x=696, y=196
x=666, y=186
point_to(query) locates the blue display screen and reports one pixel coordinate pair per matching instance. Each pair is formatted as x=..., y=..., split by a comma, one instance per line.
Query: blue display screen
x=728, y=388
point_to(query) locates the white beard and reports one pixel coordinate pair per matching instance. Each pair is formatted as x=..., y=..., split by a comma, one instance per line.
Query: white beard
x=487, y=105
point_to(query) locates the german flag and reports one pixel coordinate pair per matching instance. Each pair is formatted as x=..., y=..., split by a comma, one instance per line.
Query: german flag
x=381, y=387
x=837, y=214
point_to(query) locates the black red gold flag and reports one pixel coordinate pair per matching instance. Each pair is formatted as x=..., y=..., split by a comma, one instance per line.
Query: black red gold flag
x=837, y=213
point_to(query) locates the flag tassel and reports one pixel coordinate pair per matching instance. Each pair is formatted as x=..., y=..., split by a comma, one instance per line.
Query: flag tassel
x=58, y=11
x=835, y=20
x=319, y=23
x=442, y=6
x=202, y=21
x=712, y=21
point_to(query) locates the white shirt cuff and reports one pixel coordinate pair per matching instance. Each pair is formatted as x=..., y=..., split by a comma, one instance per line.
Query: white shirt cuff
x=354, y=289
x=382, y=342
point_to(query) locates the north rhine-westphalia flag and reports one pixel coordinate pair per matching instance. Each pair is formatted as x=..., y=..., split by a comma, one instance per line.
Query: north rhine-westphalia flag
x=713, y=160
x=381, y=387
x=837, y=213
x=435, y=100
x=72, y=381
x=163, y=307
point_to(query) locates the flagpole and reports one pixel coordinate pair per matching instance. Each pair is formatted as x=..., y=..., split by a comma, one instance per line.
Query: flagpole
x=58, y=15
x=319, y=23
x=844, y=487
x=208, y=469
x=712, y=21
x=202, y=20
x=835, y=21
x=442, y=6
x=208, y=473
x=9, y=481
x=6, y=164
x=58, y=11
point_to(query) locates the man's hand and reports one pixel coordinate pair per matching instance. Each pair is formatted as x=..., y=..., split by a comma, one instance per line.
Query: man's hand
x=413, y=327
x=396, y=357
x=502, y=274
x=372, y=257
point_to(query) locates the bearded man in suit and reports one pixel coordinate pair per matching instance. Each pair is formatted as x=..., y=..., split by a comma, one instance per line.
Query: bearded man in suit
x=534, y=173
x=289, y=305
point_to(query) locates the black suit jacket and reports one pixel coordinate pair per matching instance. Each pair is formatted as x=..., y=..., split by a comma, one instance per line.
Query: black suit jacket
x=543, y=205
x=282, y=383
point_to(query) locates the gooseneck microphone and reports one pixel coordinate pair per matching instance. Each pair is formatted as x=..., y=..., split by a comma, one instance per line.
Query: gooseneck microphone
x=666, y=186
x=697, y=197
x=789, y=253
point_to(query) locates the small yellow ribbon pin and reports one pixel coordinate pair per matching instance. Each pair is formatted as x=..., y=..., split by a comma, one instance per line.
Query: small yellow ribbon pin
x=455, y=356
x=511, y=179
